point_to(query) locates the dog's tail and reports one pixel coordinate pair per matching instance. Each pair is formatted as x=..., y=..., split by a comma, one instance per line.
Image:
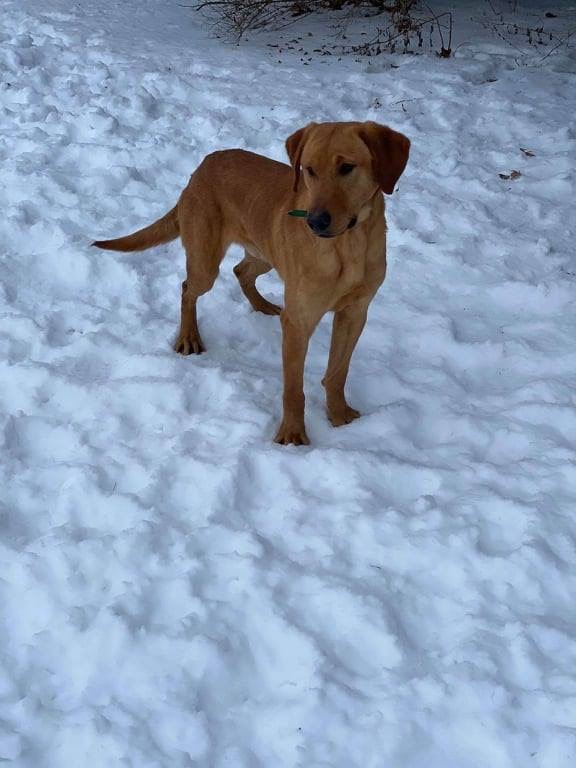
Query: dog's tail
x=162, y=231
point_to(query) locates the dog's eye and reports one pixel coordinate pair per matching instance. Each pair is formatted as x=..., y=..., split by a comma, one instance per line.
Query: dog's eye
x=311, y=171
x=345, y=169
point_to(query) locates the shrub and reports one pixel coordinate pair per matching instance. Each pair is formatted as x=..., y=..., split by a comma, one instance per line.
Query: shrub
x=234, y=18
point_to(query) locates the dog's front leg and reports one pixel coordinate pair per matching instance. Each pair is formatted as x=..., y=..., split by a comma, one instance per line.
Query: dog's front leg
x=346, y=329
x=296, y=334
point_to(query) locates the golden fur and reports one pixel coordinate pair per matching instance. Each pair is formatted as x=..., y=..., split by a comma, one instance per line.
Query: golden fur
x=240, y=197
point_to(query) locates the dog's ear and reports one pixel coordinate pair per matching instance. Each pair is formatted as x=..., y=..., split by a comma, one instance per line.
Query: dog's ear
x=294, y=147
x=389, y=150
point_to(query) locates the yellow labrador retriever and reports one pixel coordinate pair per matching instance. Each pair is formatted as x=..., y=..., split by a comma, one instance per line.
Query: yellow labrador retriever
x=331, y=255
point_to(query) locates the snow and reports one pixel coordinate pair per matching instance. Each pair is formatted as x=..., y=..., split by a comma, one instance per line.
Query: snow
x=176, y=589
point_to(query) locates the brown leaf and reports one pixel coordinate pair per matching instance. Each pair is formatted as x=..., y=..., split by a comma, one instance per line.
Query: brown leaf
x=515, y=175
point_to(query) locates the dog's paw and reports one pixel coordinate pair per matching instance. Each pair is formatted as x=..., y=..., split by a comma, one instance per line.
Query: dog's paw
x=343, y=416
x=189, y=345
x=267, y=307
x=291, y=433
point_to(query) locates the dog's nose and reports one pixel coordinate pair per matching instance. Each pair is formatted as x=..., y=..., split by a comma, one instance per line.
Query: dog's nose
x=319, y=221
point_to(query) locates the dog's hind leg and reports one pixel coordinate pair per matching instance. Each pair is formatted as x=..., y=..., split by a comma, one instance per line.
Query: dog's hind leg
x=205, y=249
x=189, y=341
x=247, y=271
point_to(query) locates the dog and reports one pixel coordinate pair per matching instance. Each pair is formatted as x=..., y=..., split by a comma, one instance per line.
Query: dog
x=331, y=255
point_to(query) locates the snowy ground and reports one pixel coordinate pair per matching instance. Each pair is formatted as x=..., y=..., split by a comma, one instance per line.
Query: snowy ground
x=175, y=589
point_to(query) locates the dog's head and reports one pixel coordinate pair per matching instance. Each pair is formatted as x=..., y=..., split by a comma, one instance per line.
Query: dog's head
x=343, y=165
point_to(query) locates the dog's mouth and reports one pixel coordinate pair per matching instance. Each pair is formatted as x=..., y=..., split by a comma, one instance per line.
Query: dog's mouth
x=328, y=235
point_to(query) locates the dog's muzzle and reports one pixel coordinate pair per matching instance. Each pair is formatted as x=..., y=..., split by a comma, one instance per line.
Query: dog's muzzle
x=319, y=222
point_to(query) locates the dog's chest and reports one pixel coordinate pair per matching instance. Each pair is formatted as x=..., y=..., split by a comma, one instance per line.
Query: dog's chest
x=349, y=283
